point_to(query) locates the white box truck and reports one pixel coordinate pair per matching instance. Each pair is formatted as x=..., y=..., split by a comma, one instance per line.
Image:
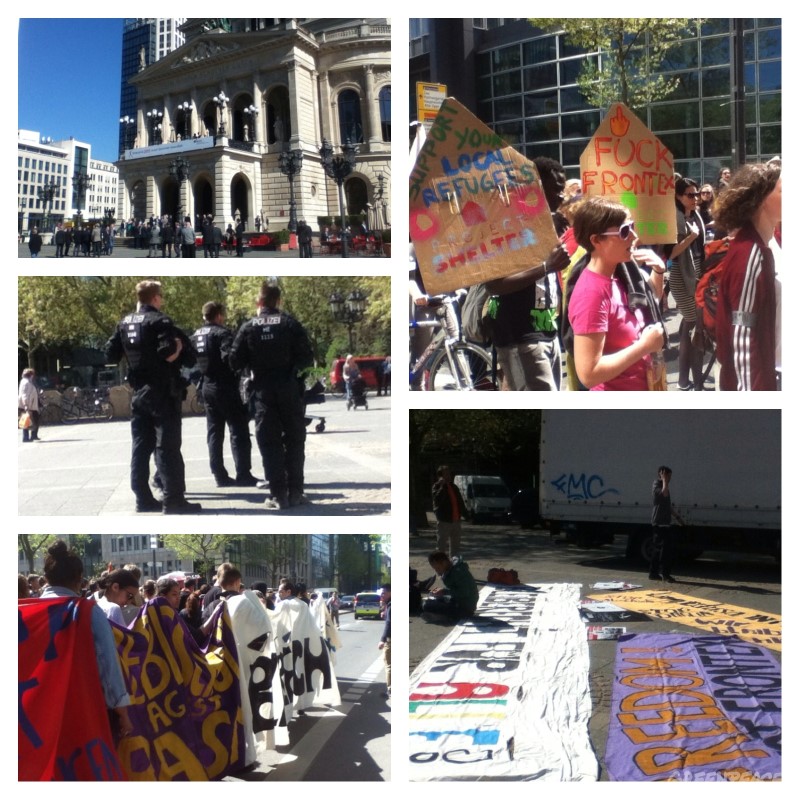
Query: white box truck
x=486, y=497
x=596, y=472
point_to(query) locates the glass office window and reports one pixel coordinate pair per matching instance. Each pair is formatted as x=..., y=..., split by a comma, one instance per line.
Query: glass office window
x=541, y=103
x=510, y=108
x=716, y=51
x=573, y=100
x=712, y=26
x=506, y=58
x=541, y=129
x=717, y=82
x=685, y=144
x=539, y=50
x=682, y=55
x=770, y=108
x=572, y=151
x=769, y=76
x=687, y=87
x=769, y=44
x=540, y=77
x=675, y=116
x=717, y=143
x=506, y=83
x=510, y=131
x=547, y=149
x=574, y=125
x=770, y=139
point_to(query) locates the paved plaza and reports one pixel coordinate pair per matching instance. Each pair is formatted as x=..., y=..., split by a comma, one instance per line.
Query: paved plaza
x=49, y=251
x=83, y=469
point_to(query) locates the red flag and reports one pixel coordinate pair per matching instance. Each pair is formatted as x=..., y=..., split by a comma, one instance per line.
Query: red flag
x=63, y=729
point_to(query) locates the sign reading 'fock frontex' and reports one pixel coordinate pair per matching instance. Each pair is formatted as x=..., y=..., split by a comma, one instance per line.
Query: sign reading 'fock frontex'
x=477, y=210
x=626, y=162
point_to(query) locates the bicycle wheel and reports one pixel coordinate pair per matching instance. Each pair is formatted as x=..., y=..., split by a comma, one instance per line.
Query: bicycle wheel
x=70, y=412
x=50, y=414
x=471, y=369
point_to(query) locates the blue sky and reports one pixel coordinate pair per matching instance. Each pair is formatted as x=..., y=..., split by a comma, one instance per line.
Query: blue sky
x=69, y=80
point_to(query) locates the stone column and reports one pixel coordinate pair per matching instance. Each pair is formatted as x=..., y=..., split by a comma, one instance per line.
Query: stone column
x=373, y=117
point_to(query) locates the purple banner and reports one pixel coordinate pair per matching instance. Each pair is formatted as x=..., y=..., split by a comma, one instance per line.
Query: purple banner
x=186, y=708
x=694, y=708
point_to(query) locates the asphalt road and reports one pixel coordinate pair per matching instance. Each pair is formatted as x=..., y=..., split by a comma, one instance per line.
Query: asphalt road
x=752, y=581
x=83, y=469
x=350, y=742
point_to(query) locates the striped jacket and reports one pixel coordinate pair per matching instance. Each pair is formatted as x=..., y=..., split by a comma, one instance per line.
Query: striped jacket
x=746, y=316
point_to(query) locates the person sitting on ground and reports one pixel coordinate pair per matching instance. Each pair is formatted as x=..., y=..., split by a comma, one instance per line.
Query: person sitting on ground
x=459, y=598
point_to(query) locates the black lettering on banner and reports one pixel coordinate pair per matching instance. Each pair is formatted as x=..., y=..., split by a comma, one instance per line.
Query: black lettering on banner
x=423, y=758
x=469, y=757
x=260, y=692
x=319, y=662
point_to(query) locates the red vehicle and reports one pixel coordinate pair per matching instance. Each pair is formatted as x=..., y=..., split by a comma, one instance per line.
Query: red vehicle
x=369, y=366
x=259, y=240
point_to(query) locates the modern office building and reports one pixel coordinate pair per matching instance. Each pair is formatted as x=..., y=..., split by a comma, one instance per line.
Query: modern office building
x=43, y=163
x=218, y=118
x=521, y=81
x=144, y=41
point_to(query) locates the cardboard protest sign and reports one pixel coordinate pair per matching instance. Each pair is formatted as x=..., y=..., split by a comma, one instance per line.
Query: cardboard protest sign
x=694, y=708
x=477, y=210
x=625, y=162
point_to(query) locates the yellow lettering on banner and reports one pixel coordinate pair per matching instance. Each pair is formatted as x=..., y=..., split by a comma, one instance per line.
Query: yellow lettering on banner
x=221, y=754
x=667, y=716
x=631, y=702
x=741, y=774
x=177, y=759
x=171, y=710
x=192, y=663
x=130, y=745
x=151, y=689
x=158, y=631
x=713, y=754
x=638, y=736
x=158, y=716
x=632, y=680
x=223, y=670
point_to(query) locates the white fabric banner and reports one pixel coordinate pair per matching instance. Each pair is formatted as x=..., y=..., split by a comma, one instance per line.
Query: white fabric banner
x=506, y=694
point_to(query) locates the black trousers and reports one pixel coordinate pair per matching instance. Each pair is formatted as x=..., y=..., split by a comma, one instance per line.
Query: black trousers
x=663, y=551
x=156, y=428
x=281, y=435
x=224, y=407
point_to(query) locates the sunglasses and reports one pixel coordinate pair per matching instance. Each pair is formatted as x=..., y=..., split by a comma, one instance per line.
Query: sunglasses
x=693, y=195
x=624, y=231
x=706, y=192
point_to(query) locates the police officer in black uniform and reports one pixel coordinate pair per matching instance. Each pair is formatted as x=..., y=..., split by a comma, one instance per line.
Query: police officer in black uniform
x=156, y=350
x=275, y=347
x=223, y=404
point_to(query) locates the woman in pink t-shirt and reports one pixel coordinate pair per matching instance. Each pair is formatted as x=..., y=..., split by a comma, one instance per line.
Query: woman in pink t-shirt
x=612, y=342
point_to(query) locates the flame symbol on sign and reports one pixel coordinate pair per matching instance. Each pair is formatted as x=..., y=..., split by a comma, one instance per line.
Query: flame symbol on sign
x=619, y=123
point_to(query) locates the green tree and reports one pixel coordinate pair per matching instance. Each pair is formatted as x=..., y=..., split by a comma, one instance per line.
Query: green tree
x=631, y=66
x=205, y=549
x=31, y=544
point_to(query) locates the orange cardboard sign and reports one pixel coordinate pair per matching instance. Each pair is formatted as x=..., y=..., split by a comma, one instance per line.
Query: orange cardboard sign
x=625, y=162
x=477, y=210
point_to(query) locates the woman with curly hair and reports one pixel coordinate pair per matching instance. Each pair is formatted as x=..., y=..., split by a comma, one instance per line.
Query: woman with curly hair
x=749, y=307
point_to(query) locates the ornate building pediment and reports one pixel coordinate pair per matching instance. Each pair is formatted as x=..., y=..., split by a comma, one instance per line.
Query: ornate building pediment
x=204, y=50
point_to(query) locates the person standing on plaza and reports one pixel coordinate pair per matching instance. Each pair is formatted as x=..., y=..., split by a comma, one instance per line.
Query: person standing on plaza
x=663, y=541
x=305, y=236
x=333, y=607
x=155, y=239
x=167, y=238
x=28, y=402
x=60, y=237
x=276, y=348
x=208, y=236
x=188, y=246
x=216, y=239
x=687, y=257
x=240, y=238
x=223, y=404
x=35, y=243
x=449, y=509
x=155, y=350
x=386, y=637
x=748, y=323
x=525, y=328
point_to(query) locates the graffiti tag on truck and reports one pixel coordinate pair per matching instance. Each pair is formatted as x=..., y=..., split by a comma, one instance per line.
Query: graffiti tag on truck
x=582, y=487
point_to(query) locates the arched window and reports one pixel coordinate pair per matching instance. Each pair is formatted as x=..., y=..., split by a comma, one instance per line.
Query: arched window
x=279, y=121
x=350, y=117
x=385, y=105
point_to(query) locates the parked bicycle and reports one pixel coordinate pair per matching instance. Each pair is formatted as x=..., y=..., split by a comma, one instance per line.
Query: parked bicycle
x=449, y=362
x=78, y=404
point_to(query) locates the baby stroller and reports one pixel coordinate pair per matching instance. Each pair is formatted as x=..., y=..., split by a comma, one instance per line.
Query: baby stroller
x=312, y=396
x=358, y=394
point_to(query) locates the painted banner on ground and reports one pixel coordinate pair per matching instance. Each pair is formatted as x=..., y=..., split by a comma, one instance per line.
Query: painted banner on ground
x=506, y=694
x=626, y=162
x=746, y=623
x=477, y=209
x=694, y=708
x=186, y=702
x=603, y=611
x=63, y=728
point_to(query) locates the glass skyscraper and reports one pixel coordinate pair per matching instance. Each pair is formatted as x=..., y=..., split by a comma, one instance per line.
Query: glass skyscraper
x=522, y=83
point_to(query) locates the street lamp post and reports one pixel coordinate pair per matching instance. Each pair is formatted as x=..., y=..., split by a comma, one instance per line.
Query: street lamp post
x=338, y=168
x=291, y=162
x=187, y=108
x=221, y=101
x=349, y=312
x=154, y=118
x=252, y=114
x=45, y=194
x=380, y=200
x=80, y=183
x=179, y=170
x=154, y=546
x=129, y=124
